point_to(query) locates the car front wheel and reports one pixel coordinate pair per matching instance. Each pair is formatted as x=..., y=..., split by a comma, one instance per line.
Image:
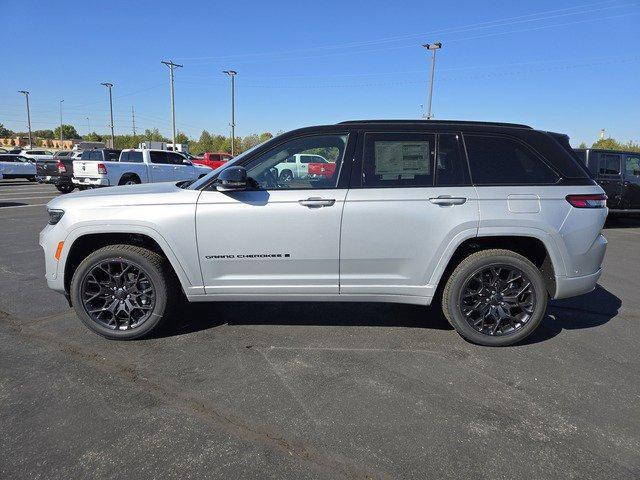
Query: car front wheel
x=123, y=291
x=495, y=298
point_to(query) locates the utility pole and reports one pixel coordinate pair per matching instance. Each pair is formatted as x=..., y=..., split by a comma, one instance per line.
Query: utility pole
x=171, y=66
x=433, y=47
x=61, y=123
x=88, y=126
x=26, y=95
x=133, y=120
x=110, y=86
x=232, y=74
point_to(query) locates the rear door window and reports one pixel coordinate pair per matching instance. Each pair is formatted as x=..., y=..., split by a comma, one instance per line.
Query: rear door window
x=451, y=168
x=175, y=158
x=398, y=160
x=632, y=165
x=158, y=157
x=498, y=160
x=609, y=164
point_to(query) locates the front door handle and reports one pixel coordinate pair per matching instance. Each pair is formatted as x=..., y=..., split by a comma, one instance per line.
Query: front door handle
x=447, y=200
x=317, y=202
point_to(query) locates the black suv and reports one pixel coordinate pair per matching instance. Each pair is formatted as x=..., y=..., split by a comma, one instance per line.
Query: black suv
x=618, y=172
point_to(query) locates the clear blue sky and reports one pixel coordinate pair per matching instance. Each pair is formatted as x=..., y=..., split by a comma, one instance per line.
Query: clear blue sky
x=569, y=66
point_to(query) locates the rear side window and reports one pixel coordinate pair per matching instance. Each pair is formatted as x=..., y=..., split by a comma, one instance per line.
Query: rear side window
x=112, y=155
x=131, y=157
x=609, y=164
x=451, y=169
x=497, y=160
x=398, y=160
x=158, y=157
x=175, y=158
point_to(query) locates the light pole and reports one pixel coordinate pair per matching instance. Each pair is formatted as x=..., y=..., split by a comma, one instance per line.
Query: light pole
x=232, y=74
x=61, y=123
x=88, y=126
x=26, y=95
x=171, y=66
x=110, y=86
x=433, y=47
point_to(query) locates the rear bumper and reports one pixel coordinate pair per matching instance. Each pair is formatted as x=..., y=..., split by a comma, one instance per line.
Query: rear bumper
x=91, y=182
x=54, y=179
x=589, y=261
x=572, y=286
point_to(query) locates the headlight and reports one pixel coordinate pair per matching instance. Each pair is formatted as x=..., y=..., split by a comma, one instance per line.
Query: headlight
x=55, y=216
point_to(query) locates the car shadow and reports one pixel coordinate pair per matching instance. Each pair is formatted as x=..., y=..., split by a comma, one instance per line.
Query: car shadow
x=11, y=204
x=586, y=311
x=622, y=221
x=193, y=317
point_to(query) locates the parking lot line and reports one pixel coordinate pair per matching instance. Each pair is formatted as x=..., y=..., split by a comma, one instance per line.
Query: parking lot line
x=28, y=198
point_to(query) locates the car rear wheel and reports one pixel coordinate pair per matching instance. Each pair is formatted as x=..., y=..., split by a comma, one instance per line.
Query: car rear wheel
x=129, y=180
x=495, y=298
x=123, y=292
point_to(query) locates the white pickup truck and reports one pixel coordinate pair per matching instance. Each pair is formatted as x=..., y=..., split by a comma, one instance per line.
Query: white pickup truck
x=136, y=166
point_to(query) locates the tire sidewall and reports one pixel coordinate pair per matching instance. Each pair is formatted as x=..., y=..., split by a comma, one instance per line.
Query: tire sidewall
x=155, y=275
x=463, y=274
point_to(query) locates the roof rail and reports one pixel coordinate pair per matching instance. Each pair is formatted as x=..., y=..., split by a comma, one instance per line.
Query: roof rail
x=438, y=122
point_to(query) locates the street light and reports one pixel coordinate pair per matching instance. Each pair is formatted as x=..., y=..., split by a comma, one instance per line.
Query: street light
x=110, y=86
x=433, y=47
x=26, y=95
x=61, y=123
x=232, y=74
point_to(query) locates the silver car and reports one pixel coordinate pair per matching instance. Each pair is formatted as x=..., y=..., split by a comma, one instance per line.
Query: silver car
x=490, y=220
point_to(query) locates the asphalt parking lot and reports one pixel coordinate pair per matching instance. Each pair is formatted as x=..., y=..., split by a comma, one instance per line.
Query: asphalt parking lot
x=313, y=390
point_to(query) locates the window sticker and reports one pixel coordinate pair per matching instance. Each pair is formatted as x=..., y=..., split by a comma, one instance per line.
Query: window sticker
x=395, y=160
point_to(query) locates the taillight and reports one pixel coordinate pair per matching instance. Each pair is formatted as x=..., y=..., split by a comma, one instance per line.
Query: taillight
x=61, y=167
x=598, y=200
x=102, y=169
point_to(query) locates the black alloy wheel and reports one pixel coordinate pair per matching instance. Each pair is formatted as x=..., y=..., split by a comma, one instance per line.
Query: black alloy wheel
x=498, y=300
x=118, y=294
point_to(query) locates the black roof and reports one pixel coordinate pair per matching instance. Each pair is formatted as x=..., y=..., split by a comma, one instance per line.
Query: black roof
x=435, y=122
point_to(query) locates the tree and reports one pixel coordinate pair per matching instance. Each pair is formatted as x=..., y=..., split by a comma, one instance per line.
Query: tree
x=93, y=137
x=613, y=144
x=68, y=132
x=154, y=135
x=182, y=138
x=46, y=134
x=5, y=132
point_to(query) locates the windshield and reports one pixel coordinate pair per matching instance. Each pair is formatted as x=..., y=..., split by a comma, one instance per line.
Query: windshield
x=202, y=181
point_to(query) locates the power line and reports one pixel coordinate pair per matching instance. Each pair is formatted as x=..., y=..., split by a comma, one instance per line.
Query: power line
x=582, y=9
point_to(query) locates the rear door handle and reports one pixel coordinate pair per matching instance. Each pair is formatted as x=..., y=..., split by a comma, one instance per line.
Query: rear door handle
x=446, y=200
x=316, y=202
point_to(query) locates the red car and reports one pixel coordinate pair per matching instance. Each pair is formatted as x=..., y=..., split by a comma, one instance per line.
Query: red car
x=326, y=170
x=212, y=160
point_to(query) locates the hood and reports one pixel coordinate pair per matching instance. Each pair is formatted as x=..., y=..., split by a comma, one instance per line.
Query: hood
x=125, y=195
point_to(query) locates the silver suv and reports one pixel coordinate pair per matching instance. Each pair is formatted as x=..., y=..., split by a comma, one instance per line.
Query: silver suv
x=488, y=219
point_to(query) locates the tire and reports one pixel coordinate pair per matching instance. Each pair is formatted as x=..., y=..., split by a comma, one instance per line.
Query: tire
x=129, y=180
x=524, y=314
x=155, y=276
x=286, y=176
x=65, y=188
x=31, y=179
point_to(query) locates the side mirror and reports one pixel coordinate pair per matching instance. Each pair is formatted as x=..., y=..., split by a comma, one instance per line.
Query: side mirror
x=187, y=162
x=231, y=179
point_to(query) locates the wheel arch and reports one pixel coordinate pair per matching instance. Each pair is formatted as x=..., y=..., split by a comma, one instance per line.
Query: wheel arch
x=128, y=175
x=535, y=246
x=84, y=241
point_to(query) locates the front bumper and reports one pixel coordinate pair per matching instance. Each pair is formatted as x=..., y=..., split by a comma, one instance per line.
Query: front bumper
x=91, y=182
x=48, y=239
